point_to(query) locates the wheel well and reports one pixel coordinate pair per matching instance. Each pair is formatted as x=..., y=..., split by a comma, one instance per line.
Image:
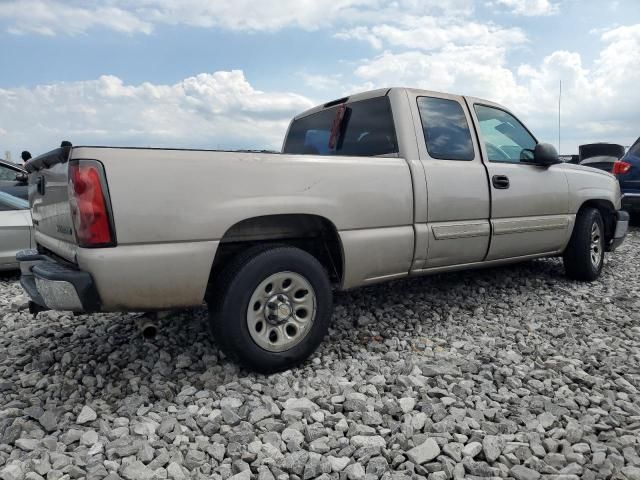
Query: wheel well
x=312, y=233
x=608, y=212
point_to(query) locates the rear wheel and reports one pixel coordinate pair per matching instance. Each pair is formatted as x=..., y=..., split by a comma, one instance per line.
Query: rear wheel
x=271, y=308
x=584, y=256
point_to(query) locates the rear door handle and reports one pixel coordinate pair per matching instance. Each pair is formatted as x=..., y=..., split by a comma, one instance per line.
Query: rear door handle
x=500, y=181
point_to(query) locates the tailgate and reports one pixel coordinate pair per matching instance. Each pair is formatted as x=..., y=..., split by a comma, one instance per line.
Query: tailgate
x=49, y=200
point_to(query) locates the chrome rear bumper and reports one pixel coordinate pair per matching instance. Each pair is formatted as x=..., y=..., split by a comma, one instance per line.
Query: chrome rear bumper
x=52, y=285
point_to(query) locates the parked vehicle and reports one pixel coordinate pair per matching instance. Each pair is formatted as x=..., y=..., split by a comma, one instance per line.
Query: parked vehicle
x=602, y=156
x=377, y=186
x=13, y=180
x=628, y=172
x=15, y=229
x=611, y=158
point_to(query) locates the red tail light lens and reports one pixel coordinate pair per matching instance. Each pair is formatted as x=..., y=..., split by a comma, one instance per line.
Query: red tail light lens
x=620, y=167
x=91, y=217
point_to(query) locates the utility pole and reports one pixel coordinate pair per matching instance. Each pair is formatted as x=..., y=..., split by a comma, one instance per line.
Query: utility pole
x=559, y=116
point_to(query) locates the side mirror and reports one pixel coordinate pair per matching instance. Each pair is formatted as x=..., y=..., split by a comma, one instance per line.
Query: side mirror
x=545, y=154
x=22, y=177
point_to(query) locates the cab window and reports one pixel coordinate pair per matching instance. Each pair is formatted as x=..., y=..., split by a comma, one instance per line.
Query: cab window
x=445, y=128
x=505, y=138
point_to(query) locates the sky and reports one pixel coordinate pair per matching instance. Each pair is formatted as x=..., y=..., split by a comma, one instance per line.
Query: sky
x=230, y=74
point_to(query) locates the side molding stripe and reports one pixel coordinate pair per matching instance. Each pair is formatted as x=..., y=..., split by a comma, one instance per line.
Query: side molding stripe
x=536, y=224
x=464, y=230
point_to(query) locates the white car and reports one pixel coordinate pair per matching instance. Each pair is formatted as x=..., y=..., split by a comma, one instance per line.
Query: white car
x=15, y=229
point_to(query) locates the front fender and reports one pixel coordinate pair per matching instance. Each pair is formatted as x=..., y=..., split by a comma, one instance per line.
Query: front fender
x=588, y=184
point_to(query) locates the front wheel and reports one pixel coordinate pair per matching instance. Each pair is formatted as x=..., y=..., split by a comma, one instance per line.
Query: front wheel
x=272, y=308
x=584, y=256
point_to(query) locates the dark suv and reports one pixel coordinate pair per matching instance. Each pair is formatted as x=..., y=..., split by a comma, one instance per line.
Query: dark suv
x=628, y=172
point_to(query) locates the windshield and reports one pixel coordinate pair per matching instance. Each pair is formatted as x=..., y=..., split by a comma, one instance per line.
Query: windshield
x=15, y=203
x=362, y=128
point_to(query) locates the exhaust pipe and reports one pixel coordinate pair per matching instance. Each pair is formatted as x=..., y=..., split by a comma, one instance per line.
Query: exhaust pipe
x=147, y=326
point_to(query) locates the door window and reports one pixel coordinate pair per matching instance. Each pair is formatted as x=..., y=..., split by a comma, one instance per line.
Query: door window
x=445, y=128
x=505, y=138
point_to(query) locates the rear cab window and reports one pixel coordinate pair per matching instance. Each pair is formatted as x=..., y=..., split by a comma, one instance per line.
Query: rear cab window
x=362, y=128
x=446, y=130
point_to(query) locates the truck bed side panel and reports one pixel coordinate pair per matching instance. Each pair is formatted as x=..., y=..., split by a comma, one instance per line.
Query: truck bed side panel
x=174, y=195
x=172, y=207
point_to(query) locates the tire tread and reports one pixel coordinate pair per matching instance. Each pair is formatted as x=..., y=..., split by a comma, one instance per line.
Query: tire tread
x=221, y=288
x=577, y=260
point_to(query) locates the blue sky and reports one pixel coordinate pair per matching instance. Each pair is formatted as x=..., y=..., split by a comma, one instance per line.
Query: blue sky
x=207, y=73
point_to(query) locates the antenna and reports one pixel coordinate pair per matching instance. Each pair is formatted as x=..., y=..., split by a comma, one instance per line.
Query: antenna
x=559, y=111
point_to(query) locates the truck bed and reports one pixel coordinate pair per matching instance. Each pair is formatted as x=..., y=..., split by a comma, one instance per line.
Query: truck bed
x=172, y=208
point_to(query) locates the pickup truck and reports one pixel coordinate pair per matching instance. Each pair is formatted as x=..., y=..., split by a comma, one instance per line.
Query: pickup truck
x=382, y=185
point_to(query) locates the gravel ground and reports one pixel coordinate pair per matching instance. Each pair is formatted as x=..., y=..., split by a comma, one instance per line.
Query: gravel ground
x=512, y=372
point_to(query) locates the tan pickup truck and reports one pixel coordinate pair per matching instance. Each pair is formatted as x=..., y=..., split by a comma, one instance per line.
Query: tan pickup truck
x=377, y=186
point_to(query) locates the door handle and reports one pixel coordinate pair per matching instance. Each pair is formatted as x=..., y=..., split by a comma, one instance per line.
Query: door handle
x=500, y=181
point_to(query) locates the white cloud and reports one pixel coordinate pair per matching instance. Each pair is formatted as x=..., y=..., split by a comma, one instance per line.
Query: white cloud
x=600, y=103
x=323, y=82
x=470, y=70
x=48, y=17
x=74, y=16
x=221, y=109
x=433, y=33
x=529, y=8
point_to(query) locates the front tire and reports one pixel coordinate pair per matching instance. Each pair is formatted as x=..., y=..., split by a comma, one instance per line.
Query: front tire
x=584, y=256
x=271, y=308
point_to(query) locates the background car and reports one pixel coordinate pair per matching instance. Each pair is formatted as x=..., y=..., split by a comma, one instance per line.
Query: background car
x=628, y=172
x=13, y=179
x=15, y=229
x=602, y=156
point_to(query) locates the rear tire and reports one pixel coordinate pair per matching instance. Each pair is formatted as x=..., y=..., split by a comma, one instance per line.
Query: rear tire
x=584, y=256
x=271, y=307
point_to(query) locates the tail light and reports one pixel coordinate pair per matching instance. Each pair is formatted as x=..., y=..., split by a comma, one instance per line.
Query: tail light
x=90, y=207
x=621, y=168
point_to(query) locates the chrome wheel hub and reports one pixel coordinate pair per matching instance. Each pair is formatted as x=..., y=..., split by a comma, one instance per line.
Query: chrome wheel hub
x=278, y=309
x=281, y=311
x=596, y=245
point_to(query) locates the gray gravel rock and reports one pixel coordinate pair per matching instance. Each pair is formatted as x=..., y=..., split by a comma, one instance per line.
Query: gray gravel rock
x=492, y=446
x=425, y=452
x=472, y=449
x=355, y=471
x=520, y=472
x=12, y=472
x=513, y=372
x=174, y=471
x=136, y=470
x=86, y=415
x=49, y=421
x=338, y=463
